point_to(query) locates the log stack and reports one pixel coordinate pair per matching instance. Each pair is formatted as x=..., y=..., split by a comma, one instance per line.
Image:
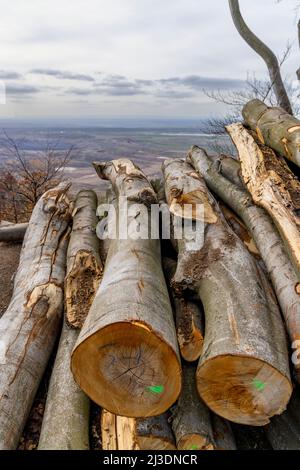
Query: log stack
x=126, y=358
x=172, y=344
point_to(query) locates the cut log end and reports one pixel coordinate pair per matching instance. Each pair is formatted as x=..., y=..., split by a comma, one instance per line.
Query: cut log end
x=190, y=333
x=194, y=199
x=192, y=350
x=128, y=370
x=81, y=286
x=194, y=442
x=244, y=390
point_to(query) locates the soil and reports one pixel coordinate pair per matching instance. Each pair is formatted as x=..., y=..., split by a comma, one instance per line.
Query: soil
x=9, y=261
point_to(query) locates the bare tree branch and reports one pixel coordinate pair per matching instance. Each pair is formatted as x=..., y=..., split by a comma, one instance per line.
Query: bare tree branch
x=26, y=177
x=264, y=52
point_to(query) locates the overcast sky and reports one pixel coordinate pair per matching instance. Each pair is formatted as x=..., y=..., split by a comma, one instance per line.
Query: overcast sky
x=131, y=58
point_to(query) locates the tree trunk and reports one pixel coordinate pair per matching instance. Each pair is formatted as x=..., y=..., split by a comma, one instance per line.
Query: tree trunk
x=230, y=168
x=120, y=433
x=272, y=186
x=30, y=325
x=189, y=319
x=13, y=232
x=275, y=128
x=240, y=229
x=243, y=373
x=223, y=435
x=191, y=418
x=84, y=268
x=66, y=417
x=110, y=199
x=283, y=432
x=126, y=358
x=265, y=53
x=266, y=237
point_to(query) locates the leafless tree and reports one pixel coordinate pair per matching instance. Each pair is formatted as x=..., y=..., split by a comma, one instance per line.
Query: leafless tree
x=265, y=53
x=25, y=177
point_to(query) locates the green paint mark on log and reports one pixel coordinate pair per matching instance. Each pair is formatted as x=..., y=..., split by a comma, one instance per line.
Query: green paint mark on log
x=156, y=389
x=194, y=447
x=260, y=386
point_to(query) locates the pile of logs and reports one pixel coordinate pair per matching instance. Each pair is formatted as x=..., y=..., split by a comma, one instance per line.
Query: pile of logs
x=172, y=343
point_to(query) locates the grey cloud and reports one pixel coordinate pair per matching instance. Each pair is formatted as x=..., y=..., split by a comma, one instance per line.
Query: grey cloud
x=174, y=94
x=123, y=91
x=80, y=91
x=129, y=90
x=173, y=87
x=197, y=82
x=14, y=89
x=7, y=75
x=145, y=82
x=63, y=75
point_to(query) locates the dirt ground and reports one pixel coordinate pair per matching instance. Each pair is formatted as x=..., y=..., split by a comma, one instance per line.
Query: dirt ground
x=9, y=260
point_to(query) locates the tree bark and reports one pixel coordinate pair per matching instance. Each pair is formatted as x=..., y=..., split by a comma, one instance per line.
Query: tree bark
x=121, y=433
x=283, y=432
x=189, y=319
x=230, y=168
x=66, y=417
x=265, y=53
x=126, y=358
x=13, y=232
x=30, y=325
x=275, y=128
x=191, y=418
x=240, y=230
x=272, y=186
x=84, y=269
x=223, y=435
x=281, y=272
x=243, y=372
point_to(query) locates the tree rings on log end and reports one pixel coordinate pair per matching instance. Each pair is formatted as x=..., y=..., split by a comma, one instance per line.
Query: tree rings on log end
x=128, y=370
x=243, y=389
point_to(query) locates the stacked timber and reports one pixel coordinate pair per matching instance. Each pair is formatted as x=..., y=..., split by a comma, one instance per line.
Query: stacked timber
x=172, y=343
x=126, y=358
x=245, y=343
x=29, y=327
x=66, y=417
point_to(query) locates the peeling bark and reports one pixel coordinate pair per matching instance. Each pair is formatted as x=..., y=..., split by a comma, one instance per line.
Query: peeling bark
x=191, y=418
x=127, y=180
x=189, y=319
x=282, y=274
x=243, y=372
x=275, y=128
x=13, y=232
x=240, y=230
x=29, y=327
x=66, y=417
x=272, y=186
x=126, y=358
x=84, y=269
x=120, y=433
